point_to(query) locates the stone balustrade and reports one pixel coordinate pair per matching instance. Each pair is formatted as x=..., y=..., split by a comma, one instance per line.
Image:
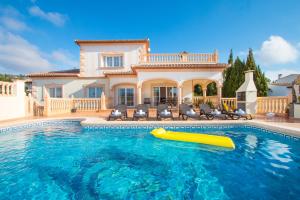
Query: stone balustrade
x=181, y=58
x=272, y=104
x=231, y=102
x=54, y=106
x=7, y=88
x=87, y=104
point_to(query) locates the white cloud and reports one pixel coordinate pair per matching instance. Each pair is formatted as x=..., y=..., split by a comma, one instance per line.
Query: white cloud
x=64, y=57
x=13, y=24
x=273, y=74
x=276, y=50
x=19, y=55
x=53, y=17
x=10, y=18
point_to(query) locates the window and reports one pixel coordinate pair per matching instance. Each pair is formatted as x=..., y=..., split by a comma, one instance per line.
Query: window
x=126, y=96
x=113, y=61
x=55, y=92
x=94, y=92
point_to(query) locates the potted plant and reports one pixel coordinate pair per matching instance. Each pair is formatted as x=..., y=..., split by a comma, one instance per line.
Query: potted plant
x=294, y=107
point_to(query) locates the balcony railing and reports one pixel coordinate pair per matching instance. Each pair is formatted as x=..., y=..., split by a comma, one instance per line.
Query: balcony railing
x=181, y=58
x=276, y=105
x=7, y=88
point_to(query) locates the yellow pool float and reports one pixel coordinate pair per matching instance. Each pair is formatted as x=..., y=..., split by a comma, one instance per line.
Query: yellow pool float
x=216, y=140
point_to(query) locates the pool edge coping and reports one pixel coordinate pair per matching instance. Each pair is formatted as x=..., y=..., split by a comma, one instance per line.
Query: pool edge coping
x=96, y=121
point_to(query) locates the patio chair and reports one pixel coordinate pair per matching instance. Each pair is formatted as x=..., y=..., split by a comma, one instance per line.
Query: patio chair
x=163, y=112
x=147, y=101
x=119, y=112
x=209, y=113
x=141, y=111
x=186, y=111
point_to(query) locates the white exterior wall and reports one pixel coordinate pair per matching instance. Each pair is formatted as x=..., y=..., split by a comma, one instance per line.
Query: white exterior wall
x=180, y=77
x=13, y=106
x=113, y=81
x=93, y=66
x=187, y=90
x=70, y=86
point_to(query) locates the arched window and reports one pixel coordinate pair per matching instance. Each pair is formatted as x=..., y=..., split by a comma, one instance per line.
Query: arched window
x=198, y=90
x=211, y=89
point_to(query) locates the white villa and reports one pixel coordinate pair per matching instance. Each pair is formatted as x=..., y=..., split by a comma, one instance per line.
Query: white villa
x=127, y=73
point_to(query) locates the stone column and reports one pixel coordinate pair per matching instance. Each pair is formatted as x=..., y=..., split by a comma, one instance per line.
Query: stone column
x=179, y=86
x=204, y=89
x=139, y=93
x=219, y=87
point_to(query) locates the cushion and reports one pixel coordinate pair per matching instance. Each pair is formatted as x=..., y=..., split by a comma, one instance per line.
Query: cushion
x=165, y=112
x=225, y=106
x=216, y=112
x=116, y=113
x=190, y=112
x=141, y=112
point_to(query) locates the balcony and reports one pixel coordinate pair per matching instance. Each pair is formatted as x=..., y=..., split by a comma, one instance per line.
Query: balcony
x=201, y=58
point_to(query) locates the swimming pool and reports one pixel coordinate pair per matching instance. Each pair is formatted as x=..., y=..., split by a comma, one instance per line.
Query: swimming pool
x=63, y=160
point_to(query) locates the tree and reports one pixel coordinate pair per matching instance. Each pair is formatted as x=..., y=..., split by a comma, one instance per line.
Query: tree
x=250, y=63
x=234, y=76
x=260, y=80
x=211, y=89
x=5, y=77
x=230, y=59
x=198, y=90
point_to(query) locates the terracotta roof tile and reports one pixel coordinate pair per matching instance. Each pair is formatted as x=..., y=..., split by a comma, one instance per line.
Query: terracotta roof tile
x=113, y=41
x=63, y=73
x=119, y=73
x=179, y=65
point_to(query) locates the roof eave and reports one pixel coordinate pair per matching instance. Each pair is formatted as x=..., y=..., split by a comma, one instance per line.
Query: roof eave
x=145, y=41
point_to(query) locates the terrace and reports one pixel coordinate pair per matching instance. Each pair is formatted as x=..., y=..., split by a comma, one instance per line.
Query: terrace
x=184, y=57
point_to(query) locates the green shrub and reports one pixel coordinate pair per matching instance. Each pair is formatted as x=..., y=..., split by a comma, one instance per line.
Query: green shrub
x=210, y=103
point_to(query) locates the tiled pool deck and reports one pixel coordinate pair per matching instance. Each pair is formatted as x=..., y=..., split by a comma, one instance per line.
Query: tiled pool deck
x=277, y=124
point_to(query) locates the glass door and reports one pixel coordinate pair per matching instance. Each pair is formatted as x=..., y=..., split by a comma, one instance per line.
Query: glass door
x=126, y=96
x=156, y=95
x=165, y=95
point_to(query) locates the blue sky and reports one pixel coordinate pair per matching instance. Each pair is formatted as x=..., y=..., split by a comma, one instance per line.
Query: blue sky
x=38, y=35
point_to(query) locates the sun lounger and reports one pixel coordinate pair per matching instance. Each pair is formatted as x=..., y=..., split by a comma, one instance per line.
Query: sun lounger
x=225, y=110
x=163, y=112
x=141, y=111
x=119, y=112
x=243, y=114
x=211, y=114
x=186, y=111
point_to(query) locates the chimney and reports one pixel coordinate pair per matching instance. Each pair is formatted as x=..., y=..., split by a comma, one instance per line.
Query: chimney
x=247, y=94
x=249, y=84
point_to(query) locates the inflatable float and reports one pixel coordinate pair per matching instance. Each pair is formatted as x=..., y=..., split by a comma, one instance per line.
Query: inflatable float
x=215, y=140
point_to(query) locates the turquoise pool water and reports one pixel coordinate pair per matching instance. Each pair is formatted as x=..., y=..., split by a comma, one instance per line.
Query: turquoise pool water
x=65, y=161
